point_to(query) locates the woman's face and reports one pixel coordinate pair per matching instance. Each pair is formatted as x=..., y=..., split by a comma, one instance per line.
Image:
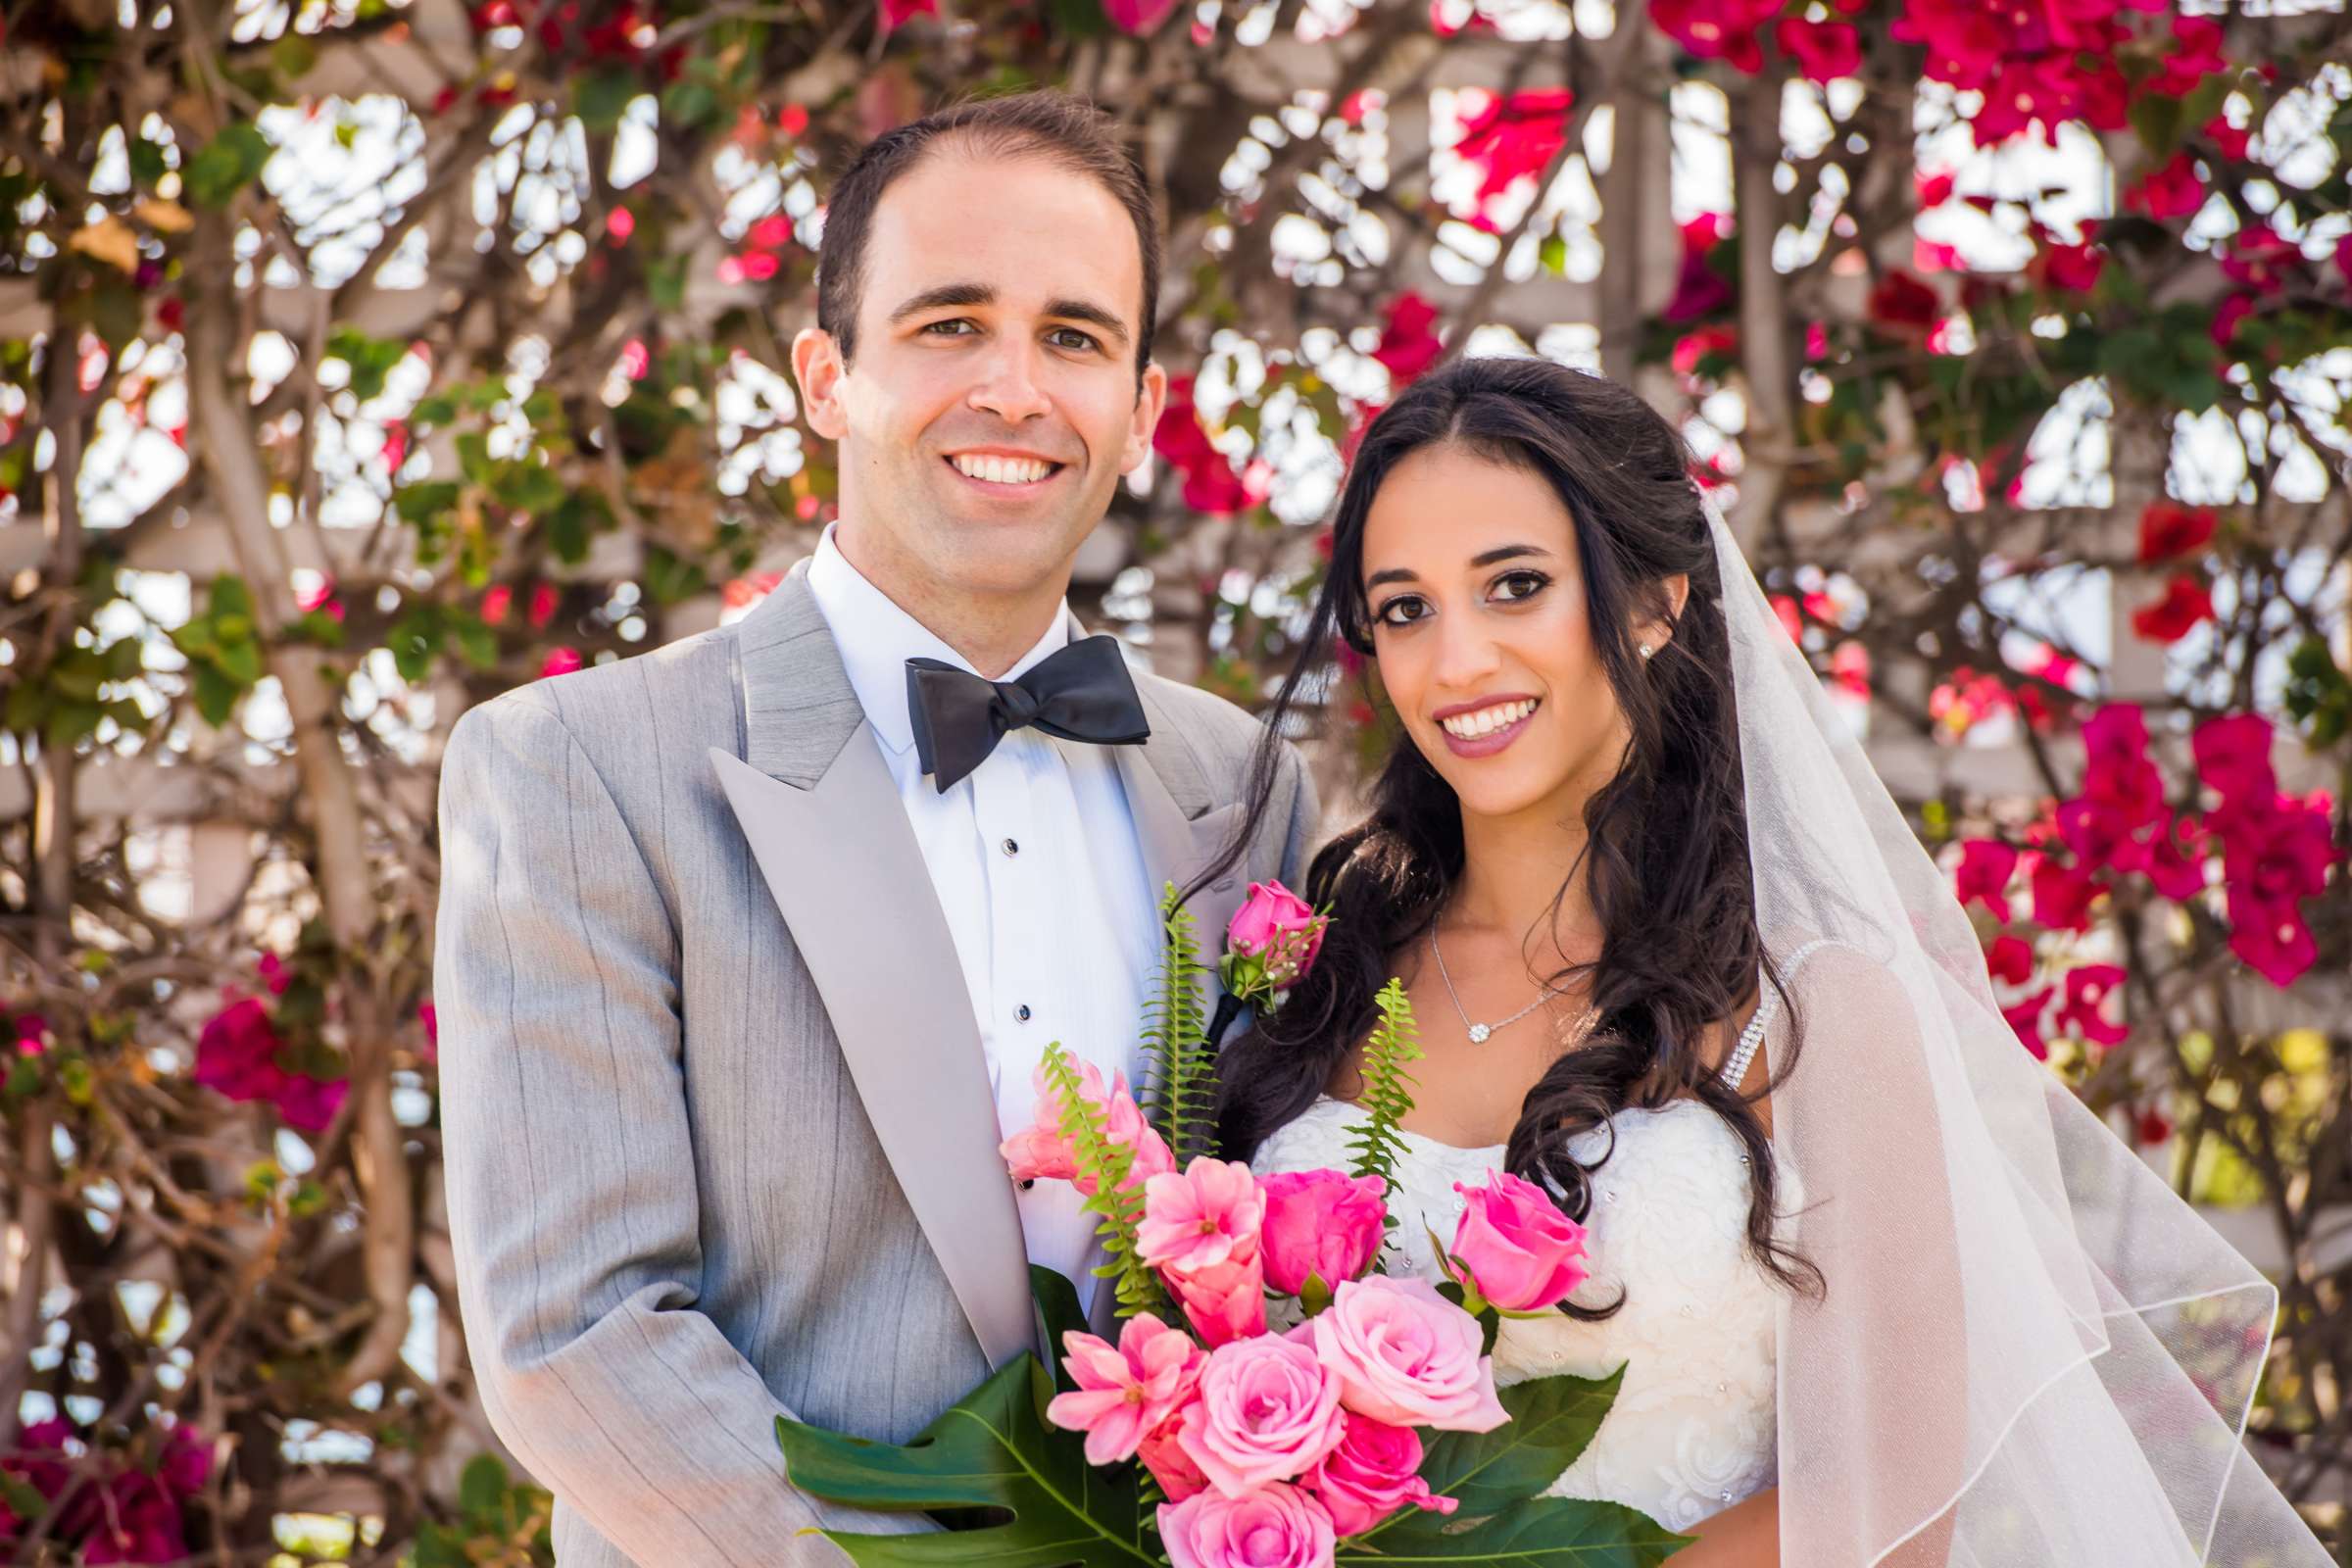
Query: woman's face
x=1483, y=635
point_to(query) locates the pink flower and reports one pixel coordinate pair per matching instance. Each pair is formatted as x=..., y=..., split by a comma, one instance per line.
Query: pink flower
x=1138, y=17
x=2233, y=761
x=2010, y=960
x=2176, y=858
x=430, y=1017
x=1269, y=1410
x=1407, y=344
x=1822, y=50
x=1164, y=1455
x=2087, y=986
x=1513, y=139
x=273, y=973
x=1320, y=1223
x=1406, y=1356
x=1040, y=1152
x=2062, y=895
x=1272, y=939
x=1127, y=1390
x=2074, y=269
x=2171, y=191
x=1202, y=1220
x=2272, y=939
x=236, y=1057
x=2024, y=1016
x=1371, y=1474
x=561, y=661
x=1522, y=1253
x=2187, y=605
x=1278, y=1527
x=1223, y=1304
x=1985, y=867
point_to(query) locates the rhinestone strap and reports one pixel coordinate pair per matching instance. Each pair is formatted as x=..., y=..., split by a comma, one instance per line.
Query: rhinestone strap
x=1734, y=1068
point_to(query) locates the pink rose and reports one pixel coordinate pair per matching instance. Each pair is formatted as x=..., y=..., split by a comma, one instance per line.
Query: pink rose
x=1406, y=1356
x=1320, y=1222
x=1164, y=1455
x=1521, y=1250
x=1277, y=1527
x=1125, y=1392
x=1203, y=1219
x=1268, y=1412
x=1370, y=1475
x=1270, y=941
x=1223, y=1304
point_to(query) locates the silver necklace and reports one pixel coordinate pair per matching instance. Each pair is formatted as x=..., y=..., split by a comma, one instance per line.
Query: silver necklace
x=1479, y=1031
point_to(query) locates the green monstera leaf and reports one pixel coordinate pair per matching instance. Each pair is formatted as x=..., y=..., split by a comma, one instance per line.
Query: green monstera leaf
x=992, y=1451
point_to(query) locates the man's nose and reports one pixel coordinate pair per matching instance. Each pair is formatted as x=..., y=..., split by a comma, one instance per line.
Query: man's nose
x=1008, y=385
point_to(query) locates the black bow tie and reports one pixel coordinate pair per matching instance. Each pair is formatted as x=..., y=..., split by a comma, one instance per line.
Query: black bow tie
x=1082, y=692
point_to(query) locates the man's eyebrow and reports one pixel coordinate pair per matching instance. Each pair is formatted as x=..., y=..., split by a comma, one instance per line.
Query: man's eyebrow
x=944, y=297
x=1093, y=316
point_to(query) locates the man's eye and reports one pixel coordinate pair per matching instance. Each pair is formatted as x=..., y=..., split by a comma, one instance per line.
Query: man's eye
x=1520, y=585
x=956, y=328
x=1069, y=337
x=1402, y=610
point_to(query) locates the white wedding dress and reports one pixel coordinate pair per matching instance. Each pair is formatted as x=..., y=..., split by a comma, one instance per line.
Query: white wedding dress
x=1694, y=1426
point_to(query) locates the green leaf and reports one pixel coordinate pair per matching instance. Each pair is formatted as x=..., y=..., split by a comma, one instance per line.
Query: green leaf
x=668, y=578
x=1546, y=1533
x=1554, y=255
x=230, y=596
x=147, y=164
x=293, y=56
x=239, y=661
x=418, y=503
x=1552, y=1421
x=478, y=644
x=1176, y=1044
x=688, y=104
x=215, y=695
x=24, y=1082
x=599, y=97
x=482, y=1484
x=1388, y=1093
x=992, y=1451
x=1058, y=1313
x=438, y=409
x=226, y=164
x=26, y=705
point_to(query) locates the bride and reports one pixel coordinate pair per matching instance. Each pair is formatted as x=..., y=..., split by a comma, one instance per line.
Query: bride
x=1884, y=1291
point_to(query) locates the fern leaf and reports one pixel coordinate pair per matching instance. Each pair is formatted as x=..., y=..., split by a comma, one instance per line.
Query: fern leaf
x=1183, y=1091
x=1108, y=1165
x=1388, y=1095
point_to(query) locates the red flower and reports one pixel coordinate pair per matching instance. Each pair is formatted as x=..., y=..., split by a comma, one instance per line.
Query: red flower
x=1210, y=483
x=2196, y=54
x=1512, y=138
x=2272, y=939
x=2258, y=257
x=895, y=14
x=2226, y=317
x=236, y=1057
x=429, y=1016
x=2074, y=269
x=792, y=120
x=561, y=661
x=2186, y=606
x=1138, y=17
x=1933, y=189
x=1717, y=30
x=1904, y=304
x=2010, y=960
x=1408, y=346
x=1822, y=50
x=2171, y=191
x=2116, y=772
x=2343, y=257
x=1707, y=342
x=1982, y=878
x=2086, y=987
x=2062, y=895
x=2176, y=859
x=1698, y=289
x=544, y=599
x=2168, y=529
x=2151, y=1127
x=2233, y=761
x=2231, y=139
x=2024, y=1016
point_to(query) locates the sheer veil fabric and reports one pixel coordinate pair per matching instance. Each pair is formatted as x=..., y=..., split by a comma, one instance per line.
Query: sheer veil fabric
x=2030, y=1352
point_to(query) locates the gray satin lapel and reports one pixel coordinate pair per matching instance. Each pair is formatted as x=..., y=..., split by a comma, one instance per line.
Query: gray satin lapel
x=846, y=871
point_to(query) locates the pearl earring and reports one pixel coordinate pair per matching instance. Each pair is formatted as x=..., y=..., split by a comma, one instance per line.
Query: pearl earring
x=1646, y=650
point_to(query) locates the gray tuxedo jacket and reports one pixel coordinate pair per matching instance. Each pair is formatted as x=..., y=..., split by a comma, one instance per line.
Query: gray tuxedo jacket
x=720, y=1140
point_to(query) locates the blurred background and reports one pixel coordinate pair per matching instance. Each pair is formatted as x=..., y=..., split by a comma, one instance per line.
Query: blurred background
x=361, y=360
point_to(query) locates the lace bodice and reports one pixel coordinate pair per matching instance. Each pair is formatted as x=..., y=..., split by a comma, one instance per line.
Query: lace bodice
x=1694, y=1425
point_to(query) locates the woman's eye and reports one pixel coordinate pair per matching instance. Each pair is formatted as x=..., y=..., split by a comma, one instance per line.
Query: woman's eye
x=1401, y=611
x=1519, y=585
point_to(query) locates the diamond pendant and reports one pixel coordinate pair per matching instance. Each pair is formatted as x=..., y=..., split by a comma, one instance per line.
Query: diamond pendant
x=1479, y=1033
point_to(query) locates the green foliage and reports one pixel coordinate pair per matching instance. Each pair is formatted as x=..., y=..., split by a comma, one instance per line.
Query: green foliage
x=499, y=1521
x=1086, y=1124
x=370, y=359
x=227, y=164
x=224, y=649
x=1183, y=1067
x=2318, y=695
x=1388, y=1086
x=992, y=1450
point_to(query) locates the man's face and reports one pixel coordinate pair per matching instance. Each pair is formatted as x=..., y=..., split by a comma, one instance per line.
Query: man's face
x=993, y=404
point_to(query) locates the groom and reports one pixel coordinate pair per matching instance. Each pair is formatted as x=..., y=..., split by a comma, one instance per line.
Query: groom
x=749, y=945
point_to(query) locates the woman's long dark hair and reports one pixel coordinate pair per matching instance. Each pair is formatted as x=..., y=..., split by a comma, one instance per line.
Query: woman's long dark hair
x=1666, y=857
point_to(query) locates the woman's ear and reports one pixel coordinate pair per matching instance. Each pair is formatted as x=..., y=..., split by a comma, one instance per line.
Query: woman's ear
x=1653, y=633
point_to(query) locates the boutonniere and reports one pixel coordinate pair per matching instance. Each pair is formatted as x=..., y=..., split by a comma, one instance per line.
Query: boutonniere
x=1270, y=944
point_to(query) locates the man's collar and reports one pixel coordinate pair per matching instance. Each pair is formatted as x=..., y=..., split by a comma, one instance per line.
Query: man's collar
x=876, y=638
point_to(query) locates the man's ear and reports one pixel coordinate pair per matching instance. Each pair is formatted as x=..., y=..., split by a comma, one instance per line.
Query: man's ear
x=818, y=366
x=1149, y=399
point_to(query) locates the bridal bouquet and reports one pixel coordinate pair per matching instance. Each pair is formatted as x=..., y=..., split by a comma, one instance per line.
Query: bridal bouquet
x=1272, y=1400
